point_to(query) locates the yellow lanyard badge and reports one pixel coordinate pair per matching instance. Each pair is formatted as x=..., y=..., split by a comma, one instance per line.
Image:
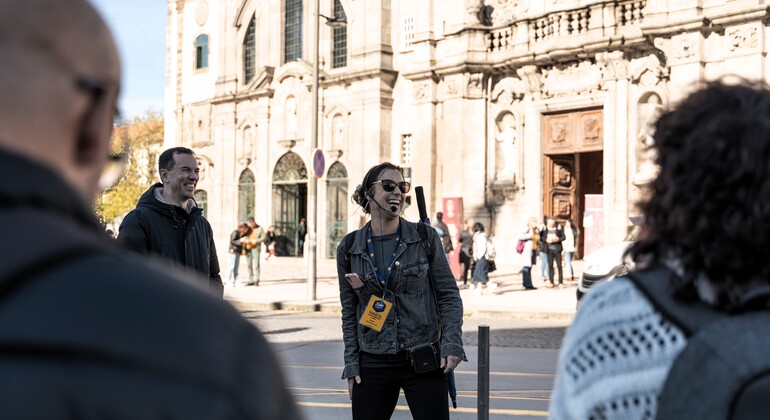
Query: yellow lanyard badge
x=376, y=313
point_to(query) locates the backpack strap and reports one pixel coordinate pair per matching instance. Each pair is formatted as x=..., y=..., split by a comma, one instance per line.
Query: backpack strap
x=655, y=283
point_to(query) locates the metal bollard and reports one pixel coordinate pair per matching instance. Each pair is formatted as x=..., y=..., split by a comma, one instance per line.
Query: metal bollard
x=483, y=369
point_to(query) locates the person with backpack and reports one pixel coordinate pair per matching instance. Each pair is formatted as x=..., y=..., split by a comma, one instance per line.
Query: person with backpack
x=686, y=333
x=402, y=314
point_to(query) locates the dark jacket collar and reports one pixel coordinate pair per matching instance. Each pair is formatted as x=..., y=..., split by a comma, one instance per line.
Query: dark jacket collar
x=29, y=184
x=149, y=200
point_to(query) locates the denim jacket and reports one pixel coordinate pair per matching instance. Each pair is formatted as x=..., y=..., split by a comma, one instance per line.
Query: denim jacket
x=414, y=317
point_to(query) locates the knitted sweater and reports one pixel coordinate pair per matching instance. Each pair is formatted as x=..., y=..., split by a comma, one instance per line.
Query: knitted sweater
x=615, y=356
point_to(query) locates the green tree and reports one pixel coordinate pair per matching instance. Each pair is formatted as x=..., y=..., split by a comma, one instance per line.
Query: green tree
x=141, y=140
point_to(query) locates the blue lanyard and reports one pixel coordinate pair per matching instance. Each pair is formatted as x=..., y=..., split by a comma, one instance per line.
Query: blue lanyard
x=382, y=277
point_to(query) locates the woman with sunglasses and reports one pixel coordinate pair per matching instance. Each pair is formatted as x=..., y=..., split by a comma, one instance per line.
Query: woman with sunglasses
x=401, y=309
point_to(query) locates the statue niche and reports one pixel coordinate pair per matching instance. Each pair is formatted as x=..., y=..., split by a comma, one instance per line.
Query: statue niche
x=506, y=147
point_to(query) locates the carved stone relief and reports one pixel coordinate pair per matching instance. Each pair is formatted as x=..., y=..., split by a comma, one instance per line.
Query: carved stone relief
x=506, y=11
x=744, y=38
x=507, y=91
x=613, y=65
x=572, y=79
x=204, y=164
x=647, y=71
x=473, y=11
x=532, y=78
x=246, y=152
x=421, y=91
x=562, y=206
x=474, y=85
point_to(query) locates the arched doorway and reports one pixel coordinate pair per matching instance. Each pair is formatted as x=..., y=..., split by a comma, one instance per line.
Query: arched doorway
x=246, y=195
x=289, y=201
x=336, y=207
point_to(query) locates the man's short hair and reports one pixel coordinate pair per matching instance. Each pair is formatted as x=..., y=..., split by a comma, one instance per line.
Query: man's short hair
x=439, y=215
x=166, y=159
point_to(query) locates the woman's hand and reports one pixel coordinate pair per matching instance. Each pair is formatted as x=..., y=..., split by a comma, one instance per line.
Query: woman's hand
x=449, y=363
x=356, y=379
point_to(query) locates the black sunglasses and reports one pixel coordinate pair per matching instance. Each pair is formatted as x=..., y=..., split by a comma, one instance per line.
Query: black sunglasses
x=389, y=185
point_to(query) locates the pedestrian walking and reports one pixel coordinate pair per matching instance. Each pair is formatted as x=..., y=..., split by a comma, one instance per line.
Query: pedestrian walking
x=88, y=330
x=526, y=255
x=542, y=250
x=466, y=249
x=401, y=309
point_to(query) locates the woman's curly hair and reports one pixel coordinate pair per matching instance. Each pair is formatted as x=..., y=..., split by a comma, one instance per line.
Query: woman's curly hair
x=708, y=210
x=362, y=193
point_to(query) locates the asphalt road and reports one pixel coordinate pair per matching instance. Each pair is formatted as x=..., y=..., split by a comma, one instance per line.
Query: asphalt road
x=523, y=358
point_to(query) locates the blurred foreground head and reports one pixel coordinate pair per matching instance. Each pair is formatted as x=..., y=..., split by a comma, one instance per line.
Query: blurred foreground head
x=59, y=86
x=708, y=211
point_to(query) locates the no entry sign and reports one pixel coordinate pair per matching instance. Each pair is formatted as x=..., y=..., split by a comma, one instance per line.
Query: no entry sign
x=319, y=163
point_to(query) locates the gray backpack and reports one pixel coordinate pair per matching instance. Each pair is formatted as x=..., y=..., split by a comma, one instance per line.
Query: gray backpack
x=724, y=370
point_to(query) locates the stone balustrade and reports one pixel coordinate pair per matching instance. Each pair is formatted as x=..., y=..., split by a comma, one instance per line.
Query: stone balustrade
x=603, y=19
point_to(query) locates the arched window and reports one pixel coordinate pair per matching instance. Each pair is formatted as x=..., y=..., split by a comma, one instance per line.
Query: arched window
x=340, y=49
x=201, y=198
x=289, y=201
x=202, y=52
x=249, y=53
x=246, y=195
x=336, y=207
x=292, y=31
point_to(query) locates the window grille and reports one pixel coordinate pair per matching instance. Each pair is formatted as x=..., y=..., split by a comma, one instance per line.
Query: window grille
x=407, y=33
x=407, y=150
x=292, y=47
x=249, y=53
x=340, y=50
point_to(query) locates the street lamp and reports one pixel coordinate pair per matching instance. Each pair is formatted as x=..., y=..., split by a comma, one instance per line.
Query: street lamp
x=312, y=198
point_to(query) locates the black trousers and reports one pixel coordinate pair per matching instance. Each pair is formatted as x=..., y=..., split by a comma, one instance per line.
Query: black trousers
x=555, y=256
x=382, y=377
x=466, y=262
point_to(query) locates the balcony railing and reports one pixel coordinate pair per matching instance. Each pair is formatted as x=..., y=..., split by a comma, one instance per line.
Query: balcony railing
x=596, y=18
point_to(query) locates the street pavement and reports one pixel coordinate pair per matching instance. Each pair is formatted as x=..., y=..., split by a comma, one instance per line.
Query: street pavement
x=283, y=286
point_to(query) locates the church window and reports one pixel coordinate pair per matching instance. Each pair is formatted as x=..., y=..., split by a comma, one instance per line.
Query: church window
x=202, y=52
x=249, y=53
x=292, y=47
x=340, y=50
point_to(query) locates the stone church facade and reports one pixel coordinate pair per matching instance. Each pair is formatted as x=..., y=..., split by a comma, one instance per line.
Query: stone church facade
x=519, y=107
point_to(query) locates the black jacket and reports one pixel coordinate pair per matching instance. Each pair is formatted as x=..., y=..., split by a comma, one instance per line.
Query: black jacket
x=236, y=246
x=90, y=332
x=555, y=246
x=169, y=231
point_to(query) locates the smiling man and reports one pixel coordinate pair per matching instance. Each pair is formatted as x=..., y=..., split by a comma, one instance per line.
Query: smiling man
x=166, y=221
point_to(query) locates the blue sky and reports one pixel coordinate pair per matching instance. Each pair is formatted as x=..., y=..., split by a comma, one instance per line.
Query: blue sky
x=139, y=27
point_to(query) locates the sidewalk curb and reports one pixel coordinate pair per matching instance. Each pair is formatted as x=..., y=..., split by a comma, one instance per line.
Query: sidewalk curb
x=329, y=308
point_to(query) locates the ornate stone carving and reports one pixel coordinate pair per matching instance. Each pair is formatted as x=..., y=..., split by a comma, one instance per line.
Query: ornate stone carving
x=500, y=192
x=505, y=11
x=571, y=79
x=507, y=91
x=647, y=71
x=614, y=66
x=422, y=91
x=474, y=85
x=684, y=48
x=339, y=132
x=473, y=11
x=532, y=78
x=562, y=206
x=744, y=38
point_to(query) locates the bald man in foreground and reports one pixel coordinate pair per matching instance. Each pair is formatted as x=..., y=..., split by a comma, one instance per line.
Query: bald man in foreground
x=87, y=332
